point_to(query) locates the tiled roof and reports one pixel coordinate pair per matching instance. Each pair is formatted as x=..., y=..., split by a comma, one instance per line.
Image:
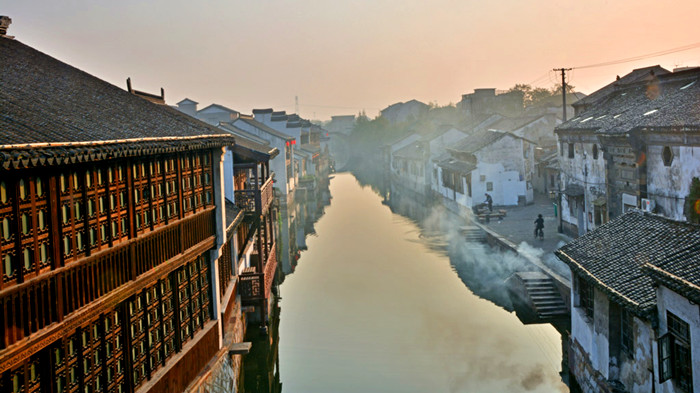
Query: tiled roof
x=237, y=132
x=220, y=107
x=477, y=141
x=262, y=111
x=682, y=276
x=457, y=165
x=66, y=115
x=612, y=256
x=669, y=101
x=637, y=75
x=262, y=127
x=187, y=101
x=413, y=150
x=398, y=139
x=513, y=123
x=250, y=145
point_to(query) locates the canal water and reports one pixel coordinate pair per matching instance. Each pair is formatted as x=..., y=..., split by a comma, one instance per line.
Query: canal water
x=372, y=306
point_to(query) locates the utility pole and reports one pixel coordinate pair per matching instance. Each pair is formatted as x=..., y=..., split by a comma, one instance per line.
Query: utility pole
x=563, y=88
x=296, y=104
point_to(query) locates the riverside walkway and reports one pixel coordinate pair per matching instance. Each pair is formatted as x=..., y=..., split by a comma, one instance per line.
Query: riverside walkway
x=519, y=223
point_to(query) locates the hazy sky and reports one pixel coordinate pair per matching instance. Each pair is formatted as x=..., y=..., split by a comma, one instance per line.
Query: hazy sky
x=339, y=57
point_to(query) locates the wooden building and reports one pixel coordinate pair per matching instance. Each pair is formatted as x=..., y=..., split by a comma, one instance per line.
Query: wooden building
x=116, y=243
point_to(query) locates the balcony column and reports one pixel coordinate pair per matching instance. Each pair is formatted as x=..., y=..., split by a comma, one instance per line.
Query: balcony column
x=257, y=179
x=265, y=233
x=218, y=160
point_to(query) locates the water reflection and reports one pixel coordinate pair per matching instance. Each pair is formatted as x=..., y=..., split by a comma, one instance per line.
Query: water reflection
x=375, y=305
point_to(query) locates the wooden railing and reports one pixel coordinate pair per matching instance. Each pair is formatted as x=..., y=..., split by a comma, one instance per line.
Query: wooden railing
x=270, y=268
x=257, y=286
x=266, y=196
x=52, y=296
x=250, y=285
x=255, y=201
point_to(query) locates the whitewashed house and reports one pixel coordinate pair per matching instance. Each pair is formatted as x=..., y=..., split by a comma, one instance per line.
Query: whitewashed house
x=502, y=167
x=215, y=114
x=412, y=165
x=627, y=335
x=632, y=145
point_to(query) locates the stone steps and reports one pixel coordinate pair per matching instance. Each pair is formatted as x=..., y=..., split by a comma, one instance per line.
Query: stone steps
x=545, y=297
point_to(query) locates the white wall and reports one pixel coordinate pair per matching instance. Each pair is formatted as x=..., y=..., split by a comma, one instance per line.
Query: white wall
x=228, y=175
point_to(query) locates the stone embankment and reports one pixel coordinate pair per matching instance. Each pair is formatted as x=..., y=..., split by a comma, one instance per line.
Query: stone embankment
x=515, y=232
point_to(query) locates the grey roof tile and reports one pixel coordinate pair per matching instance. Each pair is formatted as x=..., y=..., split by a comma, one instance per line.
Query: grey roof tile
x=613, y=255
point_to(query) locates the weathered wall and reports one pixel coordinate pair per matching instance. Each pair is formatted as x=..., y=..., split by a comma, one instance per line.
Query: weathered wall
x=591, y=349
x=585, y=171
x=668, y=186
x=635, y=373
x=668, y=300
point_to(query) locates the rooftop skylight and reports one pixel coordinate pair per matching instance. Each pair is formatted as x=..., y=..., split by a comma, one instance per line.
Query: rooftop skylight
x=600, y=117
x=688, y=85
x=586, y=119
x=651, y=111
x=618, y=115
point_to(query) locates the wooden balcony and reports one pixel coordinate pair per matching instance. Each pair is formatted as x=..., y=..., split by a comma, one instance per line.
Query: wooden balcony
x=256, y=286
x=255, y=200
x=81, y=290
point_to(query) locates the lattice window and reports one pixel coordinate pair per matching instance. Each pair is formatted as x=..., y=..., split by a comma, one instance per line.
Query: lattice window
x=8, y=257
x=137, y=339
x=113, y=374
x=33, y=254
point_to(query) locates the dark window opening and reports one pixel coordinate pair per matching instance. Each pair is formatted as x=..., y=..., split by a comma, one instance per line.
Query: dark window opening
x=667, y=156
x=674, y=354
x=626, y=332
x=585, y=296
x=571, y=150
x=595, y=152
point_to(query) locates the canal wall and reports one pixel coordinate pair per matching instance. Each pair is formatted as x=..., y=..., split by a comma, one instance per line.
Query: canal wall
x=562, y=283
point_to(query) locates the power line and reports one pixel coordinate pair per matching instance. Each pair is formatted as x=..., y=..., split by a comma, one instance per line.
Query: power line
x=642, y=57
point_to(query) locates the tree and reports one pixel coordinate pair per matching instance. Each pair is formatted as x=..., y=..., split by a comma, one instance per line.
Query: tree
x=533, y=96
x=692, y=202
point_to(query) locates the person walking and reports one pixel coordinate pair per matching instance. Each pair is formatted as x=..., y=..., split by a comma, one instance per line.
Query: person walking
x=539, y=226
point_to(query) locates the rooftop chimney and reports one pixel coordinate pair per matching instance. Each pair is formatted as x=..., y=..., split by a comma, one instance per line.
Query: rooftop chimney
x=4, y=24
